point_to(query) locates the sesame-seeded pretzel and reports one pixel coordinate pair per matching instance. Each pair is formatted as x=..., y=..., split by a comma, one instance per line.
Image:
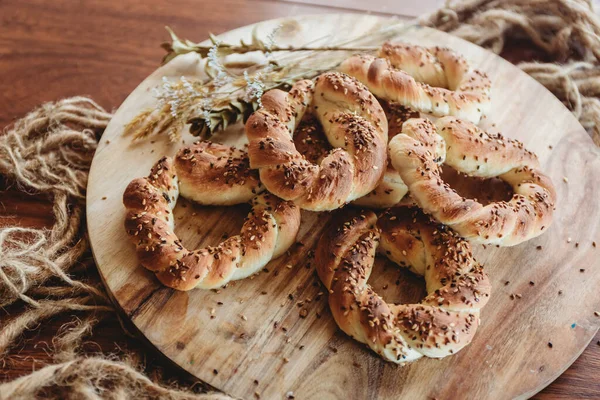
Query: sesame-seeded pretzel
x=442, y=324
x=431, y=80
x=268, y=231
x=471, y=151
x=355, y=125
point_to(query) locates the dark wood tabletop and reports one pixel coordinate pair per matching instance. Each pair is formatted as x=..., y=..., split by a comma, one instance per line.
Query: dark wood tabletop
x=104, y=49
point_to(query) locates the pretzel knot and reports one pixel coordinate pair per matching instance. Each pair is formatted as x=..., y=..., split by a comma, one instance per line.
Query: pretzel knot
x=354, y=124
x=210, y=174
x=431, y=80
x=471, y=151
x=442, y=324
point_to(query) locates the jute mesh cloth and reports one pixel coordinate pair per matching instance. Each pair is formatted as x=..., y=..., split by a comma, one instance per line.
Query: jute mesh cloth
x=49, y=272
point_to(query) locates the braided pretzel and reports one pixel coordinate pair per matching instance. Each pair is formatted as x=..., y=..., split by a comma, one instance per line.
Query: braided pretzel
x=442, y=324
x=354, y=124
x=431, y=80
x=268, y=231
x=477, y=153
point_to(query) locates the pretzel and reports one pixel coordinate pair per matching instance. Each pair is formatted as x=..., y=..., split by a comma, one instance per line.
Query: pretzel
x=471, y=151
x=354, y=124
x=268, y=231
x=442, y=324
x=432, y=80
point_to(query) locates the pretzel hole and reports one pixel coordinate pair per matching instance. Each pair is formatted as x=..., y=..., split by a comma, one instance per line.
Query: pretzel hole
x=395, y=284
x=486, y=191
x=199, y=226
x=310, y=140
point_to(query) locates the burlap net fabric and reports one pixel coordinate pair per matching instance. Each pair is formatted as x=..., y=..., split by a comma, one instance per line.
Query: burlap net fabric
x=47, y=272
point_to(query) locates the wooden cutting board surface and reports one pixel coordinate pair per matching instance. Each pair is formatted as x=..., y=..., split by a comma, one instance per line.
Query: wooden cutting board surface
x=261, y=342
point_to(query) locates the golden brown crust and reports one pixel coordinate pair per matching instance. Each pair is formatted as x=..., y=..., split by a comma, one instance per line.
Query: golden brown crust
x=354, y=124
x=431, y=80
x=211, y=173
x=475, y=152
x=269, y=229
x=444, y=322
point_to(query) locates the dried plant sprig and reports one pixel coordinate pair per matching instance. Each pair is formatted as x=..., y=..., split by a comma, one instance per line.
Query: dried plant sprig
x=220, y=117
x=230, y=95
x=179, y=46
x=174, y=103
x=232, y=108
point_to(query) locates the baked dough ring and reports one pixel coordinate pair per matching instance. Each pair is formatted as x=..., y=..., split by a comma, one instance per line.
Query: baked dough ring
x=268, y=231
x=442, y=324
x=354, y=124
x=476, y=153
x=432, y=80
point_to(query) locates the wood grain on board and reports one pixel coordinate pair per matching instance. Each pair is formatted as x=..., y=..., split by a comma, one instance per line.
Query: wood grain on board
x=50, y=50
x=261, y=341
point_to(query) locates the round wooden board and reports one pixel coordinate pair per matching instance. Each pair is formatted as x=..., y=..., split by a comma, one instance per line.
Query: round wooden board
x=274, y=351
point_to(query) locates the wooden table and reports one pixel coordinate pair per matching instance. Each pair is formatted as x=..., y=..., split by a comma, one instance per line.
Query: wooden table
x=50, y=50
